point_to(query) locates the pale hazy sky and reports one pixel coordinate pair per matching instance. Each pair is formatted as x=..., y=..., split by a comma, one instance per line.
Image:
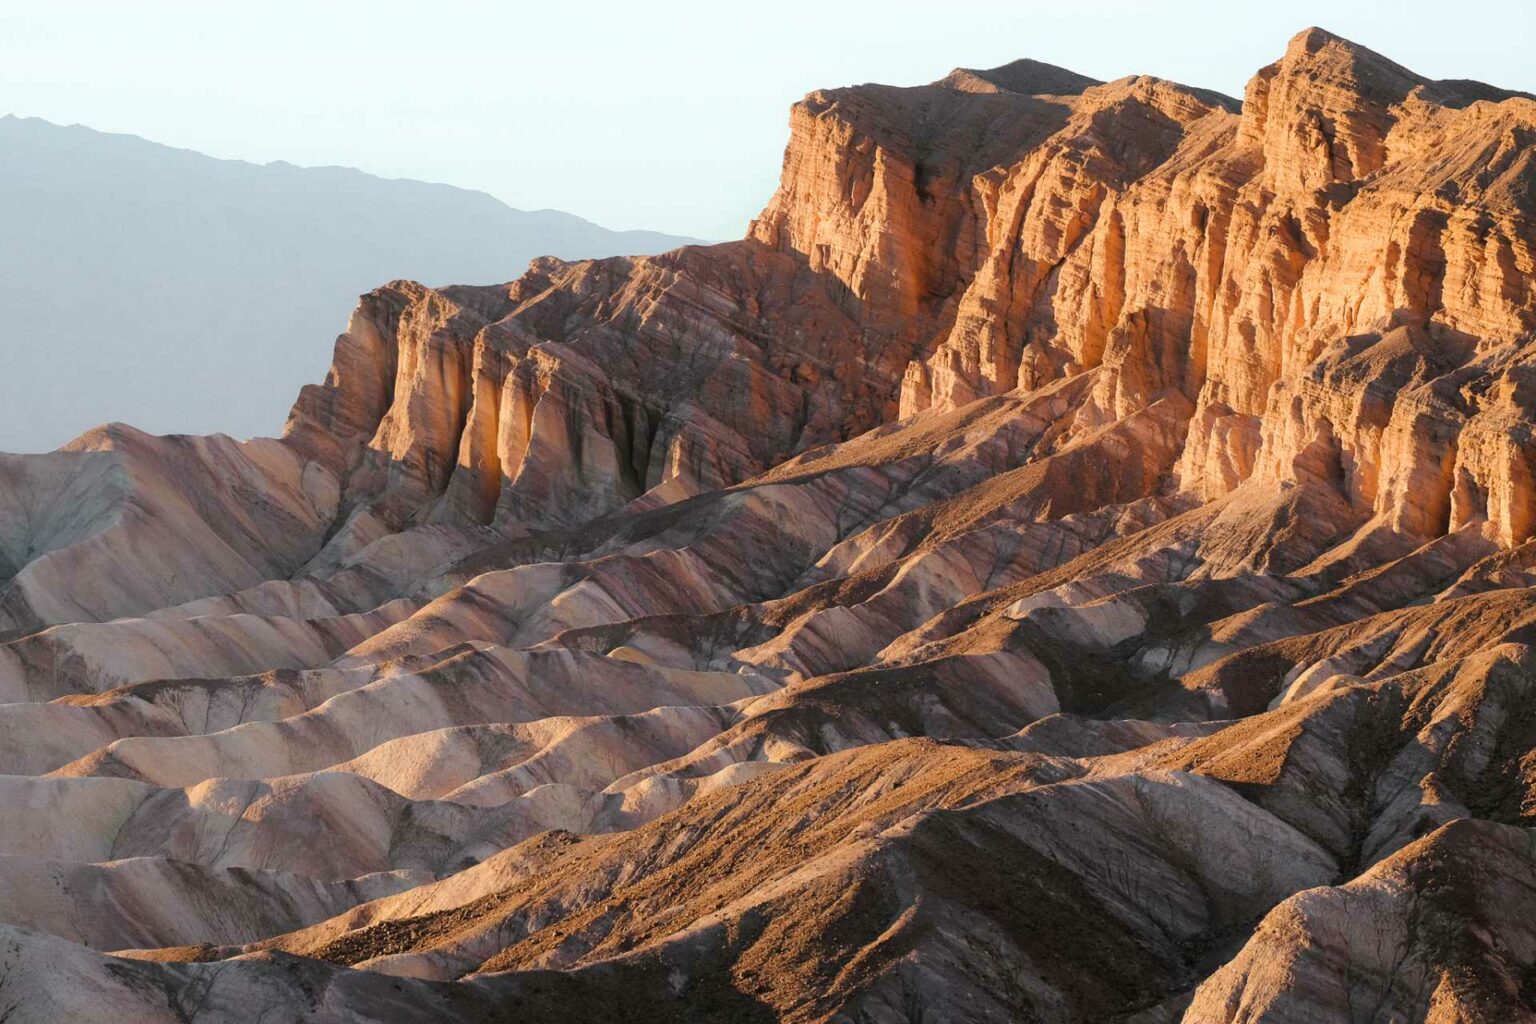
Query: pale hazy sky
x=664, y=115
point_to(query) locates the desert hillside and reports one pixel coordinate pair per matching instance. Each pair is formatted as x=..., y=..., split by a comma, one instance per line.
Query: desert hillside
x=1071, y=561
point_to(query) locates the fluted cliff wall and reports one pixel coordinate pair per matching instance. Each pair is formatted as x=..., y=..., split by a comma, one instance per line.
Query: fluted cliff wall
x=1080, y=538
x=1335, y=274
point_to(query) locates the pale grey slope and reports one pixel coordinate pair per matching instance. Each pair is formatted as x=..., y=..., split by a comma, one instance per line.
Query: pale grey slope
x=181, y=293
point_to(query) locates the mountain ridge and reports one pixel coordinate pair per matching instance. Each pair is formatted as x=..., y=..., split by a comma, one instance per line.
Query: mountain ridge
x=1072, y=560
x=637, y=233
x=102, y=226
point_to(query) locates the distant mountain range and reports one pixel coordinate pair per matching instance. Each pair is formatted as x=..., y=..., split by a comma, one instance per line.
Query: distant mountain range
x=1074, y=560
x=183, y=293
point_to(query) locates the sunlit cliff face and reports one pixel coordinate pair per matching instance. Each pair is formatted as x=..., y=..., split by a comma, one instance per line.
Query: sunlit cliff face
x=1071, y=562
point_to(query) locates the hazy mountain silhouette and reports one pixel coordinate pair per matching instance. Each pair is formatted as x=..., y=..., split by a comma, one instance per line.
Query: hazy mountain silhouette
x=183, y=293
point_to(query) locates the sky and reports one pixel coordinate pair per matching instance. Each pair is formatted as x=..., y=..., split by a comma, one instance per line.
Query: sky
x=664, y=115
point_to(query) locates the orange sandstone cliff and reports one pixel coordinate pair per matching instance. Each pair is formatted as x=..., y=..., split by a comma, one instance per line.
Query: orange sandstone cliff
x=1072, y=560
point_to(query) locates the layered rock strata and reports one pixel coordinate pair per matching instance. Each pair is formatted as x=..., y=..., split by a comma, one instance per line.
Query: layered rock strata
x=1071, y=561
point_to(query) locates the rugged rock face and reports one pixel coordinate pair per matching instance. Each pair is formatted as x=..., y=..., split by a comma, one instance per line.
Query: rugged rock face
x=1071, y=561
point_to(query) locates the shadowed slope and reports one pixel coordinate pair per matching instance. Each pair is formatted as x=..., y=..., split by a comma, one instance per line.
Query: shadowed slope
x=1072, y=561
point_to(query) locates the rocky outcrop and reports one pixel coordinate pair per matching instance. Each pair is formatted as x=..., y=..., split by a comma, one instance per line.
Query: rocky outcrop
x=1186, y=245
x=1071, y=561
x=1414, y=937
